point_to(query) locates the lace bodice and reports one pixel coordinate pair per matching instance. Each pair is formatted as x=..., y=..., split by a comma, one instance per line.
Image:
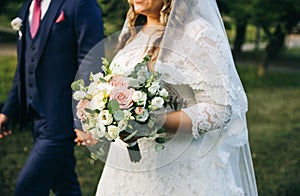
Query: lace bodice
x=184, y=166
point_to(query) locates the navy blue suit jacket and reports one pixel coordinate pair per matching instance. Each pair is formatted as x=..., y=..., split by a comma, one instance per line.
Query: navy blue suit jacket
x=61, y=48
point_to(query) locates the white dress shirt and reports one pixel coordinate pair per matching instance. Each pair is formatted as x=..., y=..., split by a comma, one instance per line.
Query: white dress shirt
x=44, y=7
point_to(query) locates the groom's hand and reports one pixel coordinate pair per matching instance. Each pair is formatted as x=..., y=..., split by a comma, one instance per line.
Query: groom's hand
x=4, y=128
x=84, y=138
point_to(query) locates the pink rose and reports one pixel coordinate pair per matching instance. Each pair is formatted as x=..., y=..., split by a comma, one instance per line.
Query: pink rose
x=80, y=109
x=123, y=96
x=119, y=81
x=138, y=110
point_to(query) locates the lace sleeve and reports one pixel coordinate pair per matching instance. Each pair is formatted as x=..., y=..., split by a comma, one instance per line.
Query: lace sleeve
x=212, y=110
x=203, y=63
x=206, y=116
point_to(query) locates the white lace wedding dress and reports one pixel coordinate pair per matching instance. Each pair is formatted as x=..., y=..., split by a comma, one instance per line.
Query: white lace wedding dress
x=209, y=161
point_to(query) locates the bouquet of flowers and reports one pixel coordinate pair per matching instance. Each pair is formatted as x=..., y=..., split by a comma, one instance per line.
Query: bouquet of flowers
x=125, y=106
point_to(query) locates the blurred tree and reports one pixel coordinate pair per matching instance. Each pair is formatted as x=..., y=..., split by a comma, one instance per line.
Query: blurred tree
x=114, y=14
x=10, y=7
x=239, y=11
x=279, y=20
x=2, y=5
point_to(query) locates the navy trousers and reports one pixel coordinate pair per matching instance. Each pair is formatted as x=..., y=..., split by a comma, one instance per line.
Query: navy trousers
x=51, y=165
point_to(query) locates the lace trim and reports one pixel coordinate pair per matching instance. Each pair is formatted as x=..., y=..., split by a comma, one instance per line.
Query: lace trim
x=206, y=117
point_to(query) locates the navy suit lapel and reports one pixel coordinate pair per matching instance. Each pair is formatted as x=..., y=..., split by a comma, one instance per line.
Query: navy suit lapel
x=24, y=11
x=48, y=22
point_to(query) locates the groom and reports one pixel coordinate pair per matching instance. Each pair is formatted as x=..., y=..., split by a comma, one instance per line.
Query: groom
x=55, y=37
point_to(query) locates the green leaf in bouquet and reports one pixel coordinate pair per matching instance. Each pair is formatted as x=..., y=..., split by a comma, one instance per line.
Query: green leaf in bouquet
x=134, y=83
x=118, y=115
x=102, y=80
x=88, y=110
x=151, y=123
x=130, y=135
x=77, y=85
x=147, y=58
x=161, y=130
x=142, y=78
x=105, y=66
x=159, y=147
x=160, y=140
x=138, y=67
x=113, y=106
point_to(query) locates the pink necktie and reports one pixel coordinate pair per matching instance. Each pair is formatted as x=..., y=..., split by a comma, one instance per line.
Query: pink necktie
x=36, y=18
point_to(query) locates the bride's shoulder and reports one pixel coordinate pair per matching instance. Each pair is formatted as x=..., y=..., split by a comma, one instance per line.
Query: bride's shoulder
x=199, y=27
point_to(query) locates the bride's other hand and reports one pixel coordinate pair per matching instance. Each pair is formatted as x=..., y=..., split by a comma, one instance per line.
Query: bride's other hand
x=85, y=139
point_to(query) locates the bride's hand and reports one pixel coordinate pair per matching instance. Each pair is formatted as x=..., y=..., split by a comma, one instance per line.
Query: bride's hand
x=84, y=138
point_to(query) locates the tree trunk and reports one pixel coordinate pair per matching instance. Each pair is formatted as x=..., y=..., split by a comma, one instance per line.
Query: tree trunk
x=257, y=37
x=276, y=43
x=240, y=37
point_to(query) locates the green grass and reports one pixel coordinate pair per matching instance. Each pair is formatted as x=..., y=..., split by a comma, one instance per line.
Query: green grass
x=273, y=122
x=7, y=70
x=274, y=126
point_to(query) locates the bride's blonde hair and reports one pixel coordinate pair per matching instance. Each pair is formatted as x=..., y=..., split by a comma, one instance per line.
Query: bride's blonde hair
x=135, y=20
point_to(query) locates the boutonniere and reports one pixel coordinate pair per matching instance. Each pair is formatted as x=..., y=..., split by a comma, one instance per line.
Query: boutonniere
x=16, y=25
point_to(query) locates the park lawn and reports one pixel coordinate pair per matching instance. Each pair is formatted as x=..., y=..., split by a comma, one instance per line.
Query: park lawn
x=273, y=122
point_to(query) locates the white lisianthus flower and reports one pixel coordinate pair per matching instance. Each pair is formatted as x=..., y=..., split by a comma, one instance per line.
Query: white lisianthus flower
x=97, y=102
x=79, y=95
x=139, y=97
x=99, y=130
x=156, y=103
x=16, y=24
x=153, y=89
x=112, y=132
x=164, y=93
x=108, y=77
x=92, y=88
x=105, y=117
x=96, y=77
x=104, y=88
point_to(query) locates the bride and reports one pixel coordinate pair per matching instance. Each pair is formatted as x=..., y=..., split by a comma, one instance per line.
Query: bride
x=209, y=152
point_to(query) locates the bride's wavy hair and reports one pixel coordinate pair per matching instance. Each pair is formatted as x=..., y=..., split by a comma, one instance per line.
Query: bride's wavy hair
x=136, y=21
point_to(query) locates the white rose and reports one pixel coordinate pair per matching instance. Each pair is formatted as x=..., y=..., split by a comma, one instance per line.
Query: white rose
x=79, y=95
x=97, y=102
x=163, y=92
x=156, y=103
x=153, y=89
x=105, y=117
x=16, y=24
x=112, y=132
x=139, y=97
